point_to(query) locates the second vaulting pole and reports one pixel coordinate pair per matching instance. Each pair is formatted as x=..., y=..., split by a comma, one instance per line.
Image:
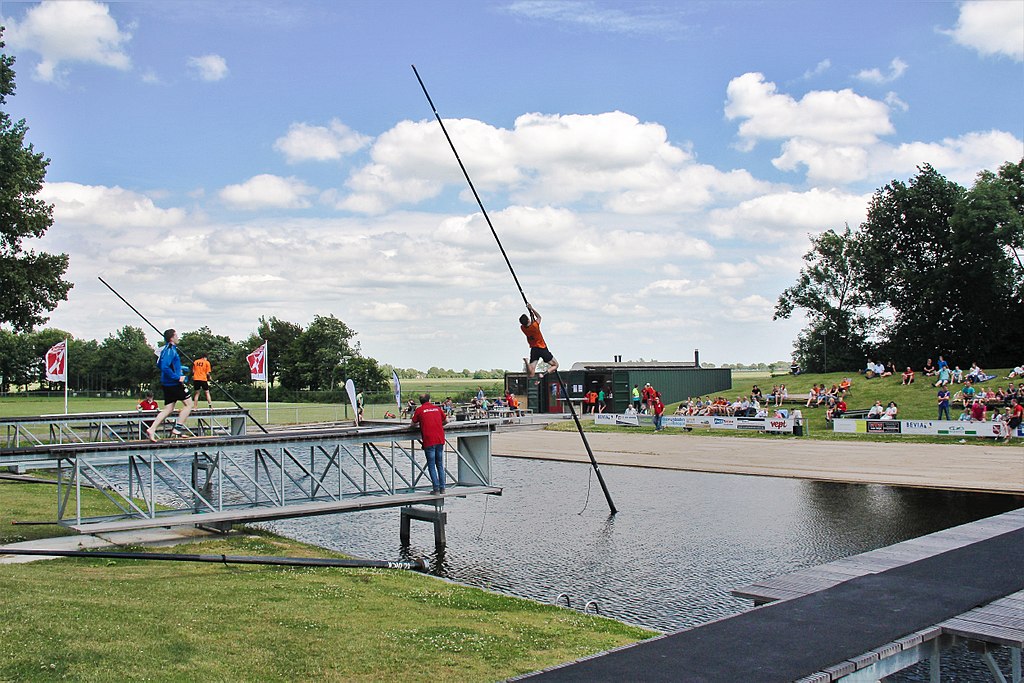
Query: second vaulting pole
x=558, y=378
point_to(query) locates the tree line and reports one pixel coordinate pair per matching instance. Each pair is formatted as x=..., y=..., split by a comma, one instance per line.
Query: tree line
x=318, y=357
x=934, y=269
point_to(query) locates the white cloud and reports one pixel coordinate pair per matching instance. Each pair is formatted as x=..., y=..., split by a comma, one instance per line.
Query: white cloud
x=789, y=216
x=897, y=67
x=894, y=102
x=268, y=191
x=992, y=27
x=66, y=32
x=590, y=15
x=836, y=136
x=819, y=68
x=107, y=207
x=959, y=158
x=209, y=68
x=610, y=160
x=837, y=117
x=390, y=311
x=304, y=142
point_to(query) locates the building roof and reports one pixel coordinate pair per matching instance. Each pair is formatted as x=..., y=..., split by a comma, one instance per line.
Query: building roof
x=635, y=365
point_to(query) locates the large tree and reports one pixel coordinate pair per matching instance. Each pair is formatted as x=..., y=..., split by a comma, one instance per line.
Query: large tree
x=936, y=265
x=830, y=291
x=32, y=282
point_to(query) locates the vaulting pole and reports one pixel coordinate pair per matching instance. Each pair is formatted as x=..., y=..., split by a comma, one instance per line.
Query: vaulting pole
x=479, y=202
x=159, y=331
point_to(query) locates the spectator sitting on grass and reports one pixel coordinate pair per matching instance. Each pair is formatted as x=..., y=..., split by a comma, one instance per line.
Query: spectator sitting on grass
x=844, y=386
x=929, y=368
x=891, y=411
x=943, y=379
x=908, y=376
x=958, y=375
x=975, y=374
x=964, y=416
x=1016, y=372
x=836, y=409
x=812, y=396
x=876, y=411
x=968, y=393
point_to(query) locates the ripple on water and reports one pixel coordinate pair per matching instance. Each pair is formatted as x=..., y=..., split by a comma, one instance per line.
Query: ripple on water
x=680, y=542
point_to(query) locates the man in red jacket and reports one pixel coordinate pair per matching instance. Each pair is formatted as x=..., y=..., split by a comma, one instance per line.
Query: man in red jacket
x=431, y=420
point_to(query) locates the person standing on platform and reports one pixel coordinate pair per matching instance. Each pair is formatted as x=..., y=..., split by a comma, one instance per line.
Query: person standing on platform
x=431, y=420
x=201, y=379
x=538, y=347
x=172, y=379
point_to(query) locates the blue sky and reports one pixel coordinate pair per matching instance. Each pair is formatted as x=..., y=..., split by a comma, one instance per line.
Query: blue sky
x=653, y=169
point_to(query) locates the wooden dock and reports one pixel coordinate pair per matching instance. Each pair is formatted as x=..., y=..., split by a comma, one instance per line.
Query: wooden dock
x=996, y=624
x=857, y=619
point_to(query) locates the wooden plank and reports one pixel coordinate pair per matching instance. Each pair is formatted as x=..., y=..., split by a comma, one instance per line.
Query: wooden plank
x=992, y=634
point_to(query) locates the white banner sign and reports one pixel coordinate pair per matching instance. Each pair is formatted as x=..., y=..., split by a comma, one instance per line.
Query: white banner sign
x=959, y=428
x=757, y=424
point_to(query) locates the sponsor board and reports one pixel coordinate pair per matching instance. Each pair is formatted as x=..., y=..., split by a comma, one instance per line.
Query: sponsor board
x=760, y=424
x=884, y=426
x=959, y=428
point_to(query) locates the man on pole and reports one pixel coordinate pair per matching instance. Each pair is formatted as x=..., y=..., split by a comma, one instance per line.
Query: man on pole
x=538, y=348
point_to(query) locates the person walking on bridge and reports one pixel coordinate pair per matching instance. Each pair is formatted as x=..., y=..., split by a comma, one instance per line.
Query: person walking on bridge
x=431, y=420
x=538, y=347
x=172, y=379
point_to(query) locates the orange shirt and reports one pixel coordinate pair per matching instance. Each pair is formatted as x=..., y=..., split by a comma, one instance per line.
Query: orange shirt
x=533, y=336
x=201, y=370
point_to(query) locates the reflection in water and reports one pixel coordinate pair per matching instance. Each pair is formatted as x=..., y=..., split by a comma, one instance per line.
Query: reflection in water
x=667, y=561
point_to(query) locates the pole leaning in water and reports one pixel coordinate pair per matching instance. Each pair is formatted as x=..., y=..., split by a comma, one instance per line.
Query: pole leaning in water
x=158, y=331
x=561, y=384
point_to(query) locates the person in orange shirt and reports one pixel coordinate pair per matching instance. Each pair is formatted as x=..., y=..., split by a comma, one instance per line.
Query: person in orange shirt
x=201, y=378
x=538, y=348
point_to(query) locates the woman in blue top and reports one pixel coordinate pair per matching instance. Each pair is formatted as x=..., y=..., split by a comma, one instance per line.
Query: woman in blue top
x=172, y=380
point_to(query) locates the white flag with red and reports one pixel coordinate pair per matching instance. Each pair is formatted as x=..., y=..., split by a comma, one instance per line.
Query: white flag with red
x=57, y=363
x=258, y=363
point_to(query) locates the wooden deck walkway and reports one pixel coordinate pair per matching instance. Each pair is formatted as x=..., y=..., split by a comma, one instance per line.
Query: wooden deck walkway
x=996, y=624
x=857, y=619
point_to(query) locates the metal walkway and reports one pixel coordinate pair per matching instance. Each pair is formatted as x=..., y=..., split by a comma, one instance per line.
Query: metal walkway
x=128, y=425
x=865, y=620
x=219, y=480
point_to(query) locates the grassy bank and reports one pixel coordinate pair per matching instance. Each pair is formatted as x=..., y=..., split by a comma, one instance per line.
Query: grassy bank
x=129, y=619
x=916, y=402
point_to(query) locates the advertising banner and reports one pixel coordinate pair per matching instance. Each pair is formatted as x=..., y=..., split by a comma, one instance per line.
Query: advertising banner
x=759, y=424
x=958, y=428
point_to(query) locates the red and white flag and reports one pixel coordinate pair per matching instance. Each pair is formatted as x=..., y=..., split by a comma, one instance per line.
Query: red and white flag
x=57, y=363
x=258, y=363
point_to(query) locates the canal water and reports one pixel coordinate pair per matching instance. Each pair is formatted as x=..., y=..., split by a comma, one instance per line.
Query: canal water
x=668, y=559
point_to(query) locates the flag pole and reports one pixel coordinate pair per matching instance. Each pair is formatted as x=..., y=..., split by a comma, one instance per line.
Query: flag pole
x=66, y=373
x=266, y=377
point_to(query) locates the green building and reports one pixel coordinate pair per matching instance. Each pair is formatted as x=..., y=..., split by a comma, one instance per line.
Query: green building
x=675, y=380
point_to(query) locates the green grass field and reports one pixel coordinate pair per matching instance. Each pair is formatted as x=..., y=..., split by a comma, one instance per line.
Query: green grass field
x=103, y=619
